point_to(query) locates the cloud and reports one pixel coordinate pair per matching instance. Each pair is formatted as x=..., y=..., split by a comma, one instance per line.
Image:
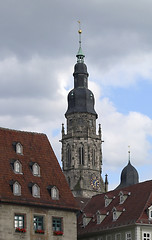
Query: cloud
x=119, y=131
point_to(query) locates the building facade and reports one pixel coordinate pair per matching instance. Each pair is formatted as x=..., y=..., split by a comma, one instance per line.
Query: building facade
x=35, y=200
x=81, y=145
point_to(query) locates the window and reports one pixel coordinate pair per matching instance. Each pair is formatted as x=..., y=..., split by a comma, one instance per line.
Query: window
x=68, y=152
x=128, y=236
x=54, y=193
x=19, y=221
x=98, y=218
x=146, y=236
x=121, y=198
x=93, y=157
x=107, y=201
x=19, y=148
x=150, y=212
x=115, y=215
x=17, y=167
x=35, y=190
x=91, y=95
x=81, y=155
x=16, y=189
x=38, y=223
x=90, y=122
x=57, y=224
x=36, y=169
x=118, y=236
x=84, y=221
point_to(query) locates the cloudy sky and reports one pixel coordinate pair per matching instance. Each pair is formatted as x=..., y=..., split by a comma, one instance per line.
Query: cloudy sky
x=38, y=44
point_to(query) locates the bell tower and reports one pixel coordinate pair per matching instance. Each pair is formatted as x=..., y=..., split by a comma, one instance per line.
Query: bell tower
x=81, y=145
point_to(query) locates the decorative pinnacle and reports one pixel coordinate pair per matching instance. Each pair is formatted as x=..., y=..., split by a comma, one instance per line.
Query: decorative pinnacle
x=128, y=154
x=80, y=56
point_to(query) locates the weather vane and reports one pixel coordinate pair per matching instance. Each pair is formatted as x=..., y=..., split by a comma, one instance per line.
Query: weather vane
x=128, y=153
x=79, y=31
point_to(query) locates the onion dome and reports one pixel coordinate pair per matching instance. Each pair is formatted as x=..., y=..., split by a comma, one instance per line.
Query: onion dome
x=129, y=175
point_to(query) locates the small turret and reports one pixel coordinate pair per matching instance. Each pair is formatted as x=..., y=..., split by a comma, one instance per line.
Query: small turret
x=106, y=183
x=129, y=175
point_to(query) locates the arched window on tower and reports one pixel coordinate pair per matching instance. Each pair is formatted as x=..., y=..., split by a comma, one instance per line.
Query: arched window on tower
x=81, y=155
x=93, y=157
x=68, y=153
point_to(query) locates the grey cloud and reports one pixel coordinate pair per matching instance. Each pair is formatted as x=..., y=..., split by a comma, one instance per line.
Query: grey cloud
x=49, y=28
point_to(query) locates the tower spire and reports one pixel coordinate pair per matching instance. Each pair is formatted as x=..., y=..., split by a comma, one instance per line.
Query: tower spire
x=80, y=56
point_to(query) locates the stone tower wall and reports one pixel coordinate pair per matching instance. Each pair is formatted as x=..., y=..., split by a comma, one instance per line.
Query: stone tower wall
x=81, y=132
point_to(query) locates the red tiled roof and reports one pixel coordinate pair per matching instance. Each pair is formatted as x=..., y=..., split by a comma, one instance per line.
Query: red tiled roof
x=36, y=148
x=82, y=202
x=134, y=208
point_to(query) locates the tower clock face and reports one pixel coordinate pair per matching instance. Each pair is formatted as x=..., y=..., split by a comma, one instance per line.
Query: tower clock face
x=95, y=182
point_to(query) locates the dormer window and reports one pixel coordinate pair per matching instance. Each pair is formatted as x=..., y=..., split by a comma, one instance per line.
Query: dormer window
x=16, y=189
x=117, y=212
x=121, y=198
x=36, y=169
x=17, y=167
x=150, y=212
x=101, y=216
x=86, y=219
x=114, y=215
x=54, y=193
x=123, y=195
x=19, y=148
x=36, y=191
x=98, y=218
x=107, y=200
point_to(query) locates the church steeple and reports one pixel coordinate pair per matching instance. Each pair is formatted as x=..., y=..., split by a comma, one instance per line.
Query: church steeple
x=80, y=99
x=81, y=146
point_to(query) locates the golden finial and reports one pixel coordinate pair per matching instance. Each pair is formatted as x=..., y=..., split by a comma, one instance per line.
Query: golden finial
x=80, y=56
x=79, y=31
